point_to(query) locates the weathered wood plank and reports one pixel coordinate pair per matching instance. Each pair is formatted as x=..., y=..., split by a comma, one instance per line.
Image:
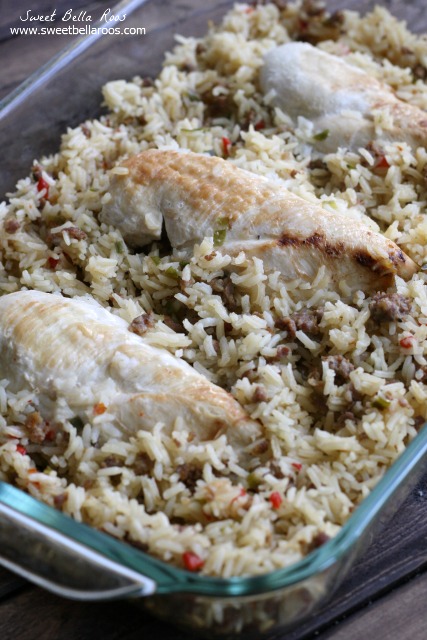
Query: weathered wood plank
x=402, y=615
x=19, y=13
x=22, y=55
x=34, y=613
x=9, y=583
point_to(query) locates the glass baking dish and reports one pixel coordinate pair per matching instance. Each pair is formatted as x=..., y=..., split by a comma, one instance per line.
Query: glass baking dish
x=70, y=558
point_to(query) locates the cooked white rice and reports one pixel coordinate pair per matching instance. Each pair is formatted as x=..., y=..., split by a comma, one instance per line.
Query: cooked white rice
x=333, y=436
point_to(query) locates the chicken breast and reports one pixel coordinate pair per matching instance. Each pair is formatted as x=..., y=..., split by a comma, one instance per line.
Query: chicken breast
x=201, y=196
x=338, y=97
x=74, y=350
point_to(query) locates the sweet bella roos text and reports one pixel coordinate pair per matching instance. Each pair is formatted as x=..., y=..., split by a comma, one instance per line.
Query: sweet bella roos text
x=82, y=16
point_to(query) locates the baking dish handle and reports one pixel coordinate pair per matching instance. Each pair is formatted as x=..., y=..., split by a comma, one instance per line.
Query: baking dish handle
x=64, y=566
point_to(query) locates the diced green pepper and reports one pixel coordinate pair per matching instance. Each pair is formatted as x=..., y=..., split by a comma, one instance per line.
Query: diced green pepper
x=322, y=135
x=379, y=402
x=253, y=482
x=172, y=273
x=194, y=130
x=219, y=237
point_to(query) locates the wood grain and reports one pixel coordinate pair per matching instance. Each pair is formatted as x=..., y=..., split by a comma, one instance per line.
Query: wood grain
x=384, y=596
x=400, y=615
x=34, y=51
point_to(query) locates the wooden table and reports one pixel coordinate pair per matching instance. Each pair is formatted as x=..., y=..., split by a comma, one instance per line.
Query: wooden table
x=384, y=597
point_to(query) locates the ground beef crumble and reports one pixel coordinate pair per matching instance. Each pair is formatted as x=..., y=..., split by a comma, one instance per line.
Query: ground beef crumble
x=11, y=225
x=418, y=422
x=306, y=320
x=59, y=500
x=219, y=105
x=260, y=394
x=319, y=539
x=341, y=366
x=189, y=474
x=55, y=238
x=143, y=464
x=227, y=290
x=173, y=324
x=142, y=323
x=111, y=461
x=387, y=307
x=38, y=429
x=347, y=415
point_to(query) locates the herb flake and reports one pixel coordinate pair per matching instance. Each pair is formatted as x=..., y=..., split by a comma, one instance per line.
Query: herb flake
x=322, y=135
x=379, y=402
x=172, y=273
x=219, y=237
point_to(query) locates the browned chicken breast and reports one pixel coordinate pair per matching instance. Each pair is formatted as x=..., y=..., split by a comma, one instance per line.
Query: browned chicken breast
x=338, y=97
x=80, y=352
x=201, y=196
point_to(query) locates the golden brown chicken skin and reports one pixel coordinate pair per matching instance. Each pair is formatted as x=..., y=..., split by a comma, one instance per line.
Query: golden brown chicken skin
x=201, y=196
x=78, y=351
x=339, y=98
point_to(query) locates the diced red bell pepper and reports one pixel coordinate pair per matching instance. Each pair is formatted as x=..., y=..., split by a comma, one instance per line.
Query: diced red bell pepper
x=226, y=144
x=382, y=163
x=406, y=342
x=52, y=262
x=192, y=562
x=42, y=184
x=276, y=499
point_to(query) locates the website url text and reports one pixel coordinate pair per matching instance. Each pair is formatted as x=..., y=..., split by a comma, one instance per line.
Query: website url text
x=73, y=30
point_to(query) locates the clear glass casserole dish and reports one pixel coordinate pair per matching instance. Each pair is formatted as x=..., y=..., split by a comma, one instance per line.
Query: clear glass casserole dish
x=78, y=562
